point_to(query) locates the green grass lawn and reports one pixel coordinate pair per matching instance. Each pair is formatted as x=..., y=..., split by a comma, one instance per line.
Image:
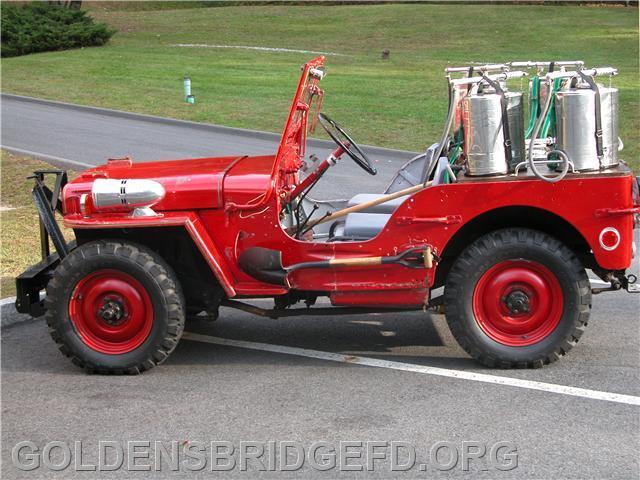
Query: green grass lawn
x=400, y=102
x=19, y=235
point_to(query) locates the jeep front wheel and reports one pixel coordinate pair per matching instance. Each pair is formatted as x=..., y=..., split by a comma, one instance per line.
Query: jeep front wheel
x=115, y=307
x=517, y=298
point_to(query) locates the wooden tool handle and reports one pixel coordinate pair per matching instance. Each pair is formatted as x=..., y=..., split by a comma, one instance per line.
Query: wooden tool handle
x=353, y=262
x=372, y=203
x=428, y=257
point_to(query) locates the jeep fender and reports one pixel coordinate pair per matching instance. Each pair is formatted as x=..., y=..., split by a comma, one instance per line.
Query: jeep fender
x=189, y=220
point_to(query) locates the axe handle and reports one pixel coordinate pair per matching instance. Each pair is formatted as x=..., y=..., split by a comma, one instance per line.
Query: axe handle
x=368, y=261
x=428, y=258
x=353, y=262
x=372, y=203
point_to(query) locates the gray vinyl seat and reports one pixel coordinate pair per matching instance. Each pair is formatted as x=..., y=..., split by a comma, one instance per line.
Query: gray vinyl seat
x=367, y=223
x=359, y=226
x=387, y=207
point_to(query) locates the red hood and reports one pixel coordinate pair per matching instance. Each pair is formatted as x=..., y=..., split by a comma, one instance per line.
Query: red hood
x=193, y=184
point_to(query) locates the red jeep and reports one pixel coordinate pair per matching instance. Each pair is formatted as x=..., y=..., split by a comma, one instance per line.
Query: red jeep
x=156, y=243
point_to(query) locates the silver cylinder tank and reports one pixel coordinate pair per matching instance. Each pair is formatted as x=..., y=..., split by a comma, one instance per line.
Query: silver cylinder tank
x=515, y=113
x=483, y=140
x=576, y=126
x=483, y=135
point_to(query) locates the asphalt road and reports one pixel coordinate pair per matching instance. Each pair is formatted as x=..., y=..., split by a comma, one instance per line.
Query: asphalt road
x=208, y=392
x=91, y=137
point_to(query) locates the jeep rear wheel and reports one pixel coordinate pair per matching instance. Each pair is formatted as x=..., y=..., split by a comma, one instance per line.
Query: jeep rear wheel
x=517, y=298
x=115, y=307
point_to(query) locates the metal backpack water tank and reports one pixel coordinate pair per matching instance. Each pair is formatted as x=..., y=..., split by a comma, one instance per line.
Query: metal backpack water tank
x=515, y=113
x=484, y=136
x=576, y=126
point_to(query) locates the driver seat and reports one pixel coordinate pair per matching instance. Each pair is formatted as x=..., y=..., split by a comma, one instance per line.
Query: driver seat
x=367, y=223
x=412, y=173
x=358, y=226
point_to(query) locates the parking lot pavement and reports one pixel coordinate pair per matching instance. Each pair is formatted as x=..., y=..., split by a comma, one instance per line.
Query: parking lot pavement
x=207, y=393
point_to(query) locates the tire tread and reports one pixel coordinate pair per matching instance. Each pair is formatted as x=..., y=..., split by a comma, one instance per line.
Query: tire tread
x=482, y=248
x=145, y=259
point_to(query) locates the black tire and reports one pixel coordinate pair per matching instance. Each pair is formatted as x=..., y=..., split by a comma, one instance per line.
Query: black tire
x=150, y=272
x=516, y=245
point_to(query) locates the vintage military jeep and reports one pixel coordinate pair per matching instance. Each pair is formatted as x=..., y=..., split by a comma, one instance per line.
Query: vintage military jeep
x=156, y=243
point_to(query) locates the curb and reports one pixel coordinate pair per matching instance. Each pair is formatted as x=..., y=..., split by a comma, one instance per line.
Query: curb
x=8, y=314
x=59, y=162
x=7, y=301
x=243, y=132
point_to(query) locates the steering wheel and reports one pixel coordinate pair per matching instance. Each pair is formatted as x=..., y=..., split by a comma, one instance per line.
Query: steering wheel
x=347, y=144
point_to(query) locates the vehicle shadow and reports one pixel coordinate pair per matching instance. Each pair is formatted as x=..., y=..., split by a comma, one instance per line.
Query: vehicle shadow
x=412, y=337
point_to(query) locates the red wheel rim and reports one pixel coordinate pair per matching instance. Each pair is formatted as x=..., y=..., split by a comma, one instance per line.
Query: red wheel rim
x=111, y=311
x=518, y=302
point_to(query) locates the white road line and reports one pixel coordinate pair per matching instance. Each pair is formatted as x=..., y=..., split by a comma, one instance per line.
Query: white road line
x=408, y=367
x=264, y=49
x=45, y=157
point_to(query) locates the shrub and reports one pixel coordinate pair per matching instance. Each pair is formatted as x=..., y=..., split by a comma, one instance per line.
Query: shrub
x=40, y=27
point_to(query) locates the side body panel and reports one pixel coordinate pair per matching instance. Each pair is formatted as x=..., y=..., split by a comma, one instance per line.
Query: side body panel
x=430, y=217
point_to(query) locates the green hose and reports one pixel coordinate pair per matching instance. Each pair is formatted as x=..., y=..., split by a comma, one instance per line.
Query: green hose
x=534, y=104
x=455, y=151
x=549, y=125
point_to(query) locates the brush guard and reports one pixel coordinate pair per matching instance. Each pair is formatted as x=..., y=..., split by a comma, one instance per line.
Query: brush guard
x=32, y=281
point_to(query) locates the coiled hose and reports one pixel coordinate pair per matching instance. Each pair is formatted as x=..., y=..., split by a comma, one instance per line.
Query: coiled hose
x=534, y=135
